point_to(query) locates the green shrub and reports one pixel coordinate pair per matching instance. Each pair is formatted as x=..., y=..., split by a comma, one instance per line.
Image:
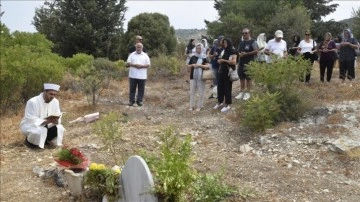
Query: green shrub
x=108, y=130
x=262, y=111
x=172, y=171
x=294, y=103
x=280, y=75
x=96, y=76
x=26, y=63
x=211, y=188
x=77, y=60
x=165, y=66
x=279, y=97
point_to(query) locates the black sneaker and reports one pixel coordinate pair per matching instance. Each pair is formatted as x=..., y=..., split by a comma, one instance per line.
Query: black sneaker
x=28, y=144
x=139, y=104
x=131, y=104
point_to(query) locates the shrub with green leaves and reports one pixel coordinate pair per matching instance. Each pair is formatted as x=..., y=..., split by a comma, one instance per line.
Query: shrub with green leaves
x=211, y=188
x=172, y=171
x=165, y=66
x=108, y=129
x=262, y=111
x=96, y=76
x=279, y=75
x=26, y=63
x=279, y=97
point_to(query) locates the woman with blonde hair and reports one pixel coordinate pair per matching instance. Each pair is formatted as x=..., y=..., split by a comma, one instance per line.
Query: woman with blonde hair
x=327, y=50
x=307, y=48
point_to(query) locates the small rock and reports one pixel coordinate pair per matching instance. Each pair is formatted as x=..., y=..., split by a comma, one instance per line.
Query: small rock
x=245, y=148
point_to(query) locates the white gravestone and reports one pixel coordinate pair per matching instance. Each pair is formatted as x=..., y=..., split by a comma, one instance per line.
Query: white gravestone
x=137, y=181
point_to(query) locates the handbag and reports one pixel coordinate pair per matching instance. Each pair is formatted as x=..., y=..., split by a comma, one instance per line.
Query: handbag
x=207, y=74
x=314, y=56
x=233, y=74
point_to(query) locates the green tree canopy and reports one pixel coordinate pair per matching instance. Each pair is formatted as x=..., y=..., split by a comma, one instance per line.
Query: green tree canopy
x=292, y=16
x=92, y=27
x=356, y=22
x=26, y=63
x=158, y=36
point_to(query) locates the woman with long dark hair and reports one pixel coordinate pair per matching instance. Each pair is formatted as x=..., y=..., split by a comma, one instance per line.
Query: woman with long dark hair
x=227, y=60
x=190, y=48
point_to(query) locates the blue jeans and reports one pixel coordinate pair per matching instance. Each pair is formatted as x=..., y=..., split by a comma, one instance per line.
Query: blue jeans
x=140, y=84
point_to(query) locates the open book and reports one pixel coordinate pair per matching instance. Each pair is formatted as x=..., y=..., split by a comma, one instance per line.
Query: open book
x=56, y=116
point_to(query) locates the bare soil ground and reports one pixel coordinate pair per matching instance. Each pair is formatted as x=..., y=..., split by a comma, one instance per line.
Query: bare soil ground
x=282, y=168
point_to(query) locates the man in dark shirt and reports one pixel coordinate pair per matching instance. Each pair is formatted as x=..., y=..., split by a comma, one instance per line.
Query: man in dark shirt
x=247, y=50
x=138, y=39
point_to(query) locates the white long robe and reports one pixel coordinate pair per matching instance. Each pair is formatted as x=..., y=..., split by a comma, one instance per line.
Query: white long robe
x=36, y=111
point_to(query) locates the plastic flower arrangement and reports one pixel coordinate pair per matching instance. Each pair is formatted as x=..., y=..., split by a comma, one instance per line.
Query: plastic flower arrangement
x=104, y=180
x=72, y=158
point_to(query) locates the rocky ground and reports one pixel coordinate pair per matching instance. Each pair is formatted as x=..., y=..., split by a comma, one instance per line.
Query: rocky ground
x=295, y=161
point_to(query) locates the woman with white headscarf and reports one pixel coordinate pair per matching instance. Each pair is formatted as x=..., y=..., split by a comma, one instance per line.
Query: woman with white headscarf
x=347, y=55
x=261, y=41
x=198, y=62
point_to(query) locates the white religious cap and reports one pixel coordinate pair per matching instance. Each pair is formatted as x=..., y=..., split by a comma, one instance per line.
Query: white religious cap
x=51, y=86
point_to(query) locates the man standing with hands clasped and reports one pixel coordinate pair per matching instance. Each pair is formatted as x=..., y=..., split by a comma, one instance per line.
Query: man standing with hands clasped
x=42, y=120
x=138, y=62
x=248, y=49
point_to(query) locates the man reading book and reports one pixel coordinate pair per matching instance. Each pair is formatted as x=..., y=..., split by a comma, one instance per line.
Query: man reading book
x=42, y=120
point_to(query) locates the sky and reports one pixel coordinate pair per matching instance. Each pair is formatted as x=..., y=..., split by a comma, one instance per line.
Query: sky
x=182, y=14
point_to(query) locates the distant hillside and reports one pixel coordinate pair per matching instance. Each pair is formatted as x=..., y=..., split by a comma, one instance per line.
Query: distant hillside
x=184, y=35
x=348, y=22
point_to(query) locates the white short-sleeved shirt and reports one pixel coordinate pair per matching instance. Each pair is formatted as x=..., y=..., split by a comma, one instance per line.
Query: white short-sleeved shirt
x=277, y=48
x=142, y=59
x=305, y=46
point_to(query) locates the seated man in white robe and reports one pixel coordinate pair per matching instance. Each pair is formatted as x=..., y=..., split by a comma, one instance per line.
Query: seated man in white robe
x=42, y=120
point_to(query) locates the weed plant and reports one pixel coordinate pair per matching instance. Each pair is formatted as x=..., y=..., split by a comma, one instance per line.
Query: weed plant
x=108, y=130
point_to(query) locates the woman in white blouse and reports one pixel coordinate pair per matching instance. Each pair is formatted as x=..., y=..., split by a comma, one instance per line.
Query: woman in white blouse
x=307, y=48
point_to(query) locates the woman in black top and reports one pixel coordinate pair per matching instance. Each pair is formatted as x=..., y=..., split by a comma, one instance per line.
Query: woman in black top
x=227, y=60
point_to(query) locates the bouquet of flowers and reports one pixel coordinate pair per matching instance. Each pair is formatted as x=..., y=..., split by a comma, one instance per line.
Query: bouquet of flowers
x=104, y=180
x=72, y=158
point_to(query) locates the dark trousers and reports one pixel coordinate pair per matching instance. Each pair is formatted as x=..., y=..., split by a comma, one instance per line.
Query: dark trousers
x=309, y=57
x=51, y=134
x=347, y=67
x=140, y=85
x=327, y=65
x=224, y=88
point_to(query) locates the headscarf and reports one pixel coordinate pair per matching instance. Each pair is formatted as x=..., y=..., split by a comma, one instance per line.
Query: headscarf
x=205, y=46
x=261, y=40
x=198, y=71
x=350, y=35
x=215, y=43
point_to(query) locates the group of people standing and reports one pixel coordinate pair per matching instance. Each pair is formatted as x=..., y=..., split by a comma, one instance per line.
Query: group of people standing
x=222, y=57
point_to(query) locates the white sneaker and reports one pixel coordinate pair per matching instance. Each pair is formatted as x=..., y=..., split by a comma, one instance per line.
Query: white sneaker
x=225, y=109
x=240, y=96
x=246, y=96
x=217, y=106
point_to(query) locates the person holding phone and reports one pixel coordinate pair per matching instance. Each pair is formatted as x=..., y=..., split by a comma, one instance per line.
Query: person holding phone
x=42, y=120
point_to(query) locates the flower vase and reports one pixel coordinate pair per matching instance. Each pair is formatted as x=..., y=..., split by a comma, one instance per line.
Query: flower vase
x=74, y=181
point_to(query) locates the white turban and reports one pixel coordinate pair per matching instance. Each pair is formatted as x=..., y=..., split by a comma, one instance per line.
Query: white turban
x=51, y=86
